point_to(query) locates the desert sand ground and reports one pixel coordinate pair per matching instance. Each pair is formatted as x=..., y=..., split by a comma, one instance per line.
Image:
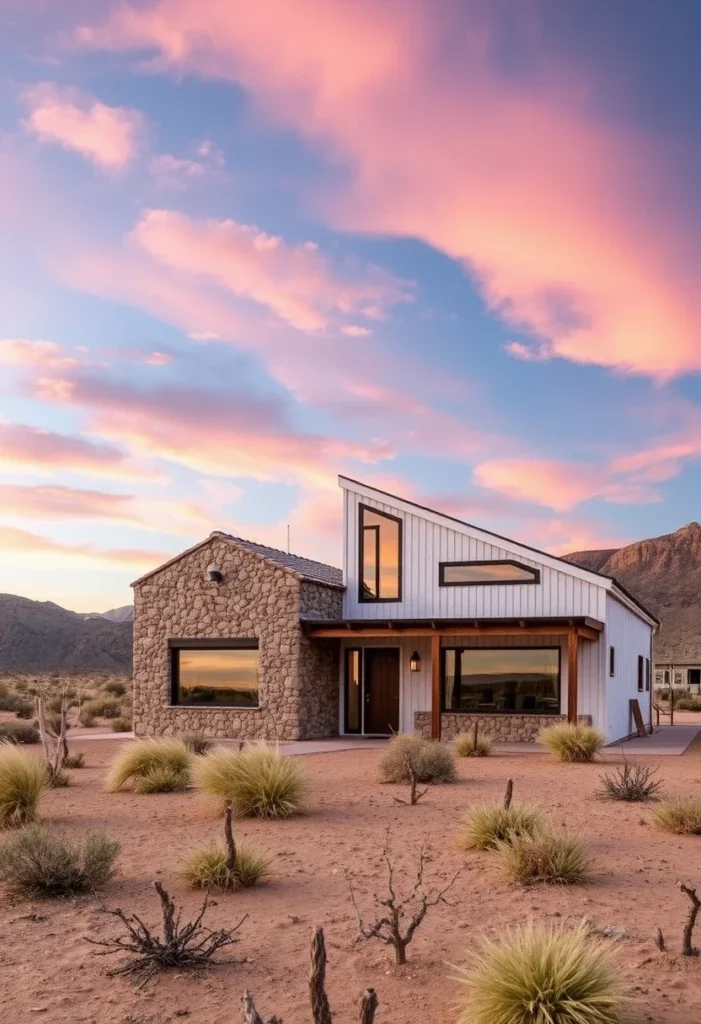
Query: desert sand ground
x=49, y=972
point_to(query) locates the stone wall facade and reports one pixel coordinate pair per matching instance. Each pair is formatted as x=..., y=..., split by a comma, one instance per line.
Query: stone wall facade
x=501, y=728
x=298, y=678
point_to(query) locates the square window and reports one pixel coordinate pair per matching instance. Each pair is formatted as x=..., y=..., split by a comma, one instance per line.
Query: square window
x=216, y=674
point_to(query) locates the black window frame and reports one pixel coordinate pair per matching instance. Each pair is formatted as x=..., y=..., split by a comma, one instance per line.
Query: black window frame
x=362, y=597
x=641, y=673
x=612, y=661
x=488, y=583
x=521, y=647
x=178, y=644
x=346, y=687
x=647, y=675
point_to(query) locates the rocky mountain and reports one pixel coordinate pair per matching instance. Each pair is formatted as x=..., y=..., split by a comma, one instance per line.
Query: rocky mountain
x=665, y=574
x=125, y=613
x=43, y=637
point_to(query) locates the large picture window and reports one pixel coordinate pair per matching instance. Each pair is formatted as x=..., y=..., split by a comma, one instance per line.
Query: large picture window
x=492, y=680
x=465, y=574
x=214, y=673
x=380, y=556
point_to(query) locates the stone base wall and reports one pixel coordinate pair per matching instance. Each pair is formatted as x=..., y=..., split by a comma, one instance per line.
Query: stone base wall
x=501, y=728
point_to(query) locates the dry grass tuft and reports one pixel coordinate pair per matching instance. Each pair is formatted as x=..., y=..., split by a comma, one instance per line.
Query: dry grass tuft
x=488, y=826
x=23, y=779
x=430, y=760
x=257, y=781
x=544, y=857
x=120, y=725
x=37, y=863
x=206, y=868
x=143, y=758
x=540, y=974
x=465, y=745
x=196, y=743
x=570, y=742
x=19, y=732
x=162, y=778
x=679, y=815
x=633, y=783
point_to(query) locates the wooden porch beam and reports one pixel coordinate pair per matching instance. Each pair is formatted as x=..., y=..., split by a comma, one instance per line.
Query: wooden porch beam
x=436, y=686
x=583, y=632
x=572, y=674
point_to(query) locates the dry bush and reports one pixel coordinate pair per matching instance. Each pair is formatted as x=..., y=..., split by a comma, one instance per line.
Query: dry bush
x=491, y=824
x=633, y=783
x=23, y=779
x=74, y=761
x=679, y=815
x=102, y=707
x=36, y=863
x=161, y=778
x=12, y=702
x=229, y=866
x=544, y=857
x=540, y=974
x=144, y=757
x=86, y=718
x=570, y=742
x=465, y=745
x=115, y=688
x=19, y=732
x=24, y=710
x=257, y=781
x=196, y=743
x=430, y=760
x=120, y=725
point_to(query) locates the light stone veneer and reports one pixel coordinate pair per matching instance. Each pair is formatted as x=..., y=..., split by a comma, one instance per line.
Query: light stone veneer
x=501, y=728
x=298, y=678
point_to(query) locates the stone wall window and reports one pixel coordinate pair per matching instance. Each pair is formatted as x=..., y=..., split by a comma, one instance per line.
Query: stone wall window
x=501, y=680
x=214, y=673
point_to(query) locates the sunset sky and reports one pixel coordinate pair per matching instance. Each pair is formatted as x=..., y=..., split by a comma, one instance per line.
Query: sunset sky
x=451, y=248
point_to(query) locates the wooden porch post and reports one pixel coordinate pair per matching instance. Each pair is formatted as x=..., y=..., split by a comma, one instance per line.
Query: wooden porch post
x=572, y=674
x=435, y=686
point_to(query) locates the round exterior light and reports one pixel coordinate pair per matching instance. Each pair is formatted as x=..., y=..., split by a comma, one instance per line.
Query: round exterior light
x=415, y=662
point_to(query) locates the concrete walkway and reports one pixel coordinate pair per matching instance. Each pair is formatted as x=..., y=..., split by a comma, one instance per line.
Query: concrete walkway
x=329, y=746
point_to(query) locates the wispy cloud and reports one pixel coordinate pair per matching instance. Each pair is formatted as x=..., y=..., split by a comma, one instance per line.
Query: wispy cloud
x=23, y=546
x=30, y=449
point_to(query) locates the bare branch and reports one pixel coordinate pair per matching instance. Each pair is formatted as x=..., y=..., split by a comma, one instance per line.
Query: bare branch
x=688, y=933
x=508, y=795
x=368, y=1006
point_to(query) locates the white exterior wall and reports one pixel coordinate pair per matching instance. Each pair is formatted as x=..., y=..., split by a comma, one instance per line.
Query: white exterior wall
x=631, y=637
x=415, y=687
x=426, y=543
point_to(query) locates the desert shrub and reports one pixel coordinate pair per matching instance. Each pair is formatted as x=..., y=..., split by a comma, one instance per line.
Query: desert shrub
x=120, y=725
x=37, y=863
x=487, y=826
x=24, y=709
x=19, y=732
x=12, y=701
x=114, y=687
x=4, y=690
x=541, y=974
x=23, y=779
x=688, y=704
x=142, y=758
x=87, y=718
x=544, y=857
x=196, y=743
x=59, y=779
x=102, y=707
x=430, y=760
x=680, y=815
x=162, y=778
x=53, y=721
x=631, y=782
x=74, y=761
x=465, y=745
x=55, y=704
x=21, y=685
x=257, y=781
x=206, y=868
x=570, y=742
x=678, y=693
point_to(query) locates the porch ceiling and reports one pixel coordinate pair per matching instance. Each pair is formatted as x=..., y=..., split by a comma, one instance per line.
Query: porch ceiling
x=583, y=626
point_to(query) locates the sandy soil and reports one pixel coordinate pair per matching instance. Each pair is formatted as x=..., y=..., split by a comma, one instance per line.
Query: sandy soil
x=49, y=973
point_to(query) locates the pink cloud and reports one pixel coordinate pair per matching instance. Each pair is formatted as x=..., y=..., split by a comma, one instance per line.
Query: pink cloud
x=547, y=206
x=17, y=545
x=107, y=136
x=296, y=282
x=175, y=171
x=355, y=331
x=27, y=449
x=23, y=352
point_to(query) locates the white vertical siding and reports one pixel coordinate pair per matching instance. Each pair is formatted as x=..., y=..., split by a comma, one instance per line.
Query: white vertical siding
x=426, y=543
x=631, y=637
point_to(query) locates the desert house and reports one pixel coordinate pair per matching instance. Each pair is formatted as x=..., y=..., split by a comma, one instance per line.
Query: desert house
x=432, y=626
x=681, y=675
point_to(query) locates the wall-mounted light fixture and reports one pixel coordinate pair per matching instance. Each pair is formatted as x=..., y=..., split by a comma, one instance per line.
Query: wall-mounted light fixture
x=415, y=662
x=214, y=574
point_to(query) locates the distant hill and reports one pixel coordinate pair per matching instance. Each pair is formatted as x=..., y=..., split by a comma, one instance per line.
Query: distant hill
x=665, y=574
x=125, y=613
x=43, y=637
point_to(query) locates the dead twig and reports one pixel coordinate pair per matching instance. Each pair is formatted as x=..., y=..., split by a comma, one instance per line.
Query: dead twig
x=368, y=1006
x=688, y=932
x=508, y=795
x=414, y=793
x=659, y=940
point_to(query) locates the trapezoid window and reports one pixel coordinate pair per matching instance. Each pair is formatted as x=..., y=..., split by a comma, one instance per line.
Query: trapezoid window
x=476, y=573
x=214, y=673
x=380, y=556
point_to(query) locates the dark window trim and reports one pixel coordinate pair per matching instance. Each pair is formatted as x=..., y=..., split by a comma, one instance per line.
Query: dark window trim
x=489, y=583
x=206, y=644
x=346, y=687
x=363, y=598
x=612, y=661
x=521, y=647
x=647, y=675
x=641, y=673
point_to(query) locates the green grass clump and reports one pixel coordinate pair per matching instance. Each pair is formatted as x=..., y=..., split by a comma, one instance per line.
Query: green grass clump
x=544, y=857
x=679, y=815
x=257, y=781
x=23, y=779
x=491, y=824
x=540, y=974
x=120, y=725
x=157, y=760
x=431, y=761
x=161, y=778
x=37, y=863
x=19, y=732
x=196, y=743
x=465, y=745
x=570, y=742
x=206, y=868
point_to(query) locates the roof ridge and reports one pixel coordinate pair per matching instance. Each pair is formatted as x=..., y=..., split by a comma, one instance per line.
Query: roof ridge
x=268, y=547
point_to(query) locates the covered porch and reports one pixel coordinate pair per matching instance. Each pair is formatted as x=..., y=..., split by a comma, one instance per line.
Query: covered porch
x=429, y=702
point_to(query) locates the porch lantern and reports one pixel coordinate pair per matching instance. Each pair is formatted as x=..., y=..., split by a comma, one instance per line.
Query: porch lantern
x=415, y=662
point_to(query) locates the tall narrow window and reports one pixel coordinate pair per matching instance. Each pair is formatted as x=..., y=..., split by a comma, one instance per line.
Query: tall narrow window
x=641, y=673
x=612, y=661
x=380, y=556
x=353, y=710
x=647, y=675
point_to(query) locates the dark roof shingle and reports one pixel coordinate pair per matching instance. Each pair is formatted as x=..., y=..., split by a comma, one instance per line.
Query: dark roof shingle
x=317, y=572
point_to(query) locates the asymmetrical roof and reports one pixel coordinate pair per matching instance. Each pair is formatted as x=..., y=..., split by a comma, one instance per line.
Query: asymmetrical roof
x=305, y=568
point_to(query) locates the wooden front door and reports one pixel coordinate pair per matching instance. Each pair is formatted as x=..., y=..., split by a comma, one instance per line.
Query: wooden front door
x=381, y=690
